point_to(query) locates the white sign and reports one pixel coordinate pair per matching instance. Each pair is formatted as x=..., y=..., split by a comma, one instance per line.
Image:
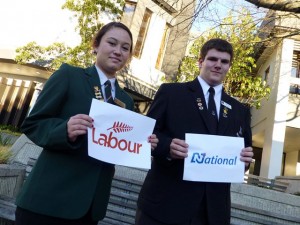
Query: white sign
x=213, y=158
x=119, y=136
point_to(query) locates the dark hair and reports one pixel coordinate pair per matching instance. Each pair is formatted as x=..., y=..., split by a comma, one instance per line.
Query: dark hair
x=97, y=38
x=218, y=44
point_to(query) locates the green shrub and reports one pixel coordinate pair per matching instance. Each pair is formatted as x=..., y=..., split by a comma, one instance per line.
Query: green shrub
x=5, y=154
x=4, y=141
x=10, y=129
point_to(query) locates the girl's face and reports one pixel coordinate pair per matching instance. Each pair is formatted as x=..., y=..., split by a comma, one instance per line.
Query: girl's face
x=113, y=51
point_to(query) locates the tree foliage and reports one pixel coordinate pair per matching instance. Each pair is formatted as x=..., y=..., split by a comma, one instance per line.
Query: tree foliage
x=241, y=32
x=88, y=14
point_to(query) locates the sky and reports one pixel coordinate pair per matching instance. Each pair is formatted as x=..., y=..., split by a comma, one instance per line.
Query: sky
x=43, y=21
x=219, y=9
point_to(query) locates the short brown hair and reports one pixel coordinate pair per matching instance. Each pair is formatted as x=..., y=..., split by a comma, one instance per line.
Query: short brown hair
x=97, y=38
x=218, y=44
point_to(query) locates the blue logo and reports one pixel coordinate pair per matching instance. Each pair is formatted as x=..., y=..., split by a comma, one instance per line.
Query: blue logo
x=203, y=159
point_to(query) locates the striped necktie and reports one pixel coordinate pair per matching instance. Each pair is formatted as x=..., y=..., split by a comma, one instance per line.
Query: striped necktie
x=107, y=90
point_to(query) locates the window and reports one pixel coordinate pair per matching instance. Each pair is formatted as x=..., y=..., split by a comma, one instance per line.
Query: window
x=295, y=72
x=163, y=45
x=129, y=9
x=142, y=34
x=296, y=65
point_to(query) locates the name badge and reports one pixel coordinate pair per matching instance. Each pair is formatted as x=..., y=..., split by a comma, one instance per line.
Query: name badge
x=119, y=103
x=226, y=104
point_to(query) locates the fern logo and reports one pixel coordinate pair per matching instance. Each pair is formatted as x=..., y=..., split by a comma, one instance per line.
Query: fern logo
x=120, y=127
x=116, y=142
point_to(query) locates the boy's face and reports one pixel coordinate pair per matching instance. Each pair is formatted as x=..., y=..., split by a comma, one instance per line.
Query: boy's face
x=214, y=67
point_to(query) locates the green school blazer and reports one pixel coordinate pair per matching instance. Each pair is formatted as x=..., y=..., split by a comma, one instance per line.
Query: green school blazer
x=66, y=182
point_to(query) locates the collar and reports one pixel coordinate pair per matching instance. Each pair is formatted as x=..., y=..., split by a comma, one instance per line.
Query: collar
x=103, y=78
x=205, y=86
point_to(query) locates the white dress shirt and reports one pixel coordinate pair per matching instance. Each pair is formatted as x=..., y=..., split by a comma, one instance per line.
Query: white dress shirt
x=103, y=79
x=218, y=93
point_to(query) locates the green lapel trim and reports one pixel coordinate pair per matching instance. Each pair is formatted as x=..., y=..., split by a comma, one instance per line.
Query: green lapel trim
x=94, y=82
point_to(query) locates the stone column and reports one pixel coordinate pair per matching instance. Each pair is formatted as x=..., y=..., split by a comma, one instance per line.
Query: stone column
x=38, y=88
x=276, y=119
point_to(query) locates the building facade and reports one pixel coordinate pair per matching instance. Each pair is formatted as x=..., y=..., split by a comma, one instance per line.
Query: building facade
x=160, y=31
x=276, y=126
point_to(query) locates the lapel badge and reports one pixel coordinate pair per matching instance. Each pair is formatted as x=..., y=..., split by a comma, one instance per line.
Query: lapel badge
x=98, y=94
x=119, y=103
x=225, y=112
x=199, y=103
x=226, y=105
x=240, y=133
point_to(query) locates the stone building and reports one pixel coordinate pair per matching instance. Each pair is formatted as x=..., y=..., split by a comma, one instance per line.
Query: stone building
x=160, y=31
x=276, y=126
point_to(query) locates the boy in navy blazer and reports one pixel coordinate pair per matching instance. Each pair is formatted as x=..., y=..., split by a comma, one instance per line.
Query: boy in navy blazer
x=181, y=108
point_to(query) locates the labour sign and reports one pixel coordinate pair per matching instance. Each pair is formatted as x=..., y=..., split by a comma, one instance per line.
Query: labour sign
x=119, y=136
x=213, y=158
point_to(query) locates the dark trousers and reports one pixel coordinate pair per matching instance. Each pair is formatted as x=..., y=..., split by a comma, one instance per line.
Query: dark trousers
x=25, y=217
x=143, y=219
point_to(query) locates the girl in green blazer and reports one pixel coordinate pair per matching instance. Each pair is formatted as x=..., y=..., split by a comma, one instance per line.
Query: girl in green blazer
x=66, y=186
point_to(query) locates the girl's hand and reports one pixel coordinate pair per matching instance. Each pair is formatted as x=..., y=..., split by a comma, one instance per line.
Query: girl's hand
x=77, y=125
x=153, y=140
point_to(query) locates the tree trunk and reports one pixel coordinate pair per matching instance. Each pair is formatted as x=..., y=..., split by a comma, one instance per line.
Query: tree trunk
x=279, y=5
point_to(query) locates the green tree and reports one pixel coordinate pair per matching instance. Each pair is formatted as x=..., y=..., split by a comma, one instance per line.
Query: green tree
x=241, y=32
x=87, y=13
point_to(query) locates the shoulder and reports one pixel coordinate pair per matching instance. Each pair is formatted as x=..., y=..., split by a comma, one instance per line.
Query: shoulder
x=175, y=89
x=172, y=86
x=68, y=67
x=237, y=104
x=66, y=71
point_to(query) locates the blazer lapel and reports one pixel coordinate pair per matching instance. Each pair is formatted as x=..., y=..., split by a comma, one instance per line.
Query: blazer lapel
x=95, y=85
x=225, y=113
x=119, y=98
x=94, y=82
x=199, y=101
